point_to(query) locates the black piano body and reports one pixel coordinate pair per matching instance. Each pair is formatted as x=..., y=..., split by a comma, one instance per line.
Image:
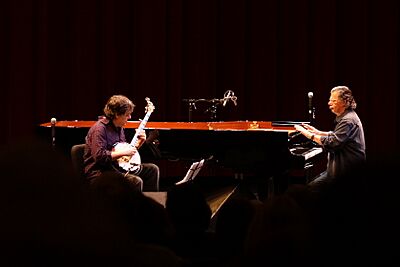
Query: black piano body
x=244, y=152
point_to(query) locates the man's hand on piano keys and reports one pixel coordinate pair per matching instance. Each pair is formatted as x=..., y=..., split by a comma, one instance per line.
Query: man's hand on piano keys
x=310, y=132
x=303, y=129
x=310, y=128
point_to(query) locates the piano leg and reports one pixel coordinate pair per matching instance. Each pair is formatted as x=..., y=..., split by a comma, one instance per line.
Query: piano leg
x=255, y=186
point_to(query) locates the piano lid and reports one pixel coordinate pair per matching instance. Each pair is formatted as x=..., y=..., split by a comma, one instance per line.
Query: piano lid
x=221, y=125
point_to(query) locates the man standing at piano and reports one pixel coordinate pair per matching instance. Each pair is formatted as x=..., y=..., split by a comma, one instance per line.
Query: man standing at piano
x=345, y=144
x=101, y=156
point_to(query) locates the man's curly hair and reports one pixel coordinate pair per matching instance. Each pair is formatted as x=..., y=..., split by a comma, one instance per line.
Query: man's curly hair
x=118, y=105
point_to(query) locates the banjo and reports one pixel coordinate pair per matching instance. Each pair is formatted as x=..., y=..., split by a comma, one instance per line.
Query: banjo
x=132, y=163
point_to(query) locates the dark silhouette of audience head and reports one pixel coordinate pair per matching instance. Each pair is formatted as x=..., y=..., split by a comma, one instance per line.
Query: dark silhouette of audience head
x=233, y=221
x=147, y=219
x=281, y=237
x=190, y=215
x=188, y=208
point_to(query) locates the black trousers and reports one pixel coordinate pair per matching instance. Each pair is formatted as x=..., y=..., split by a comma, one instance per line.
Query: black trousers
x=146, y=179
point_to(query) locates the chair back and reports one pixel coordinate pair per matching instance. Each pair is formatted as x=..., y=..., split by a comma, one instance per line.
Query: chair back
x=77, y=152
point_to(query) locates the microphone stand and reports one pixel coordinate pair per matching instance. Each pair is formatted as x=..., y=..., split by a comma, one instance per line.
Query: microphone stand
x=311, y=115
x=311, y=108
x=212, y=109
x=192, y=106
x=229, y=95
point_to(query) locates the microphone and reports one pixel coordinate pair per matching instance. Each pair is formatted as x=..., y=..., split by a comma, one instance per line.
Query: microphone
x=53, y=131
x=228, y=95
x=234, y=98
x=310, y=96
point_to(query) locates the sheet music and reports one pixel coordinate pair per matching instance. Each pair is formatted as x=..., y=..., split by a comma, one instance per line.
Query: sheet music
x=192, y=172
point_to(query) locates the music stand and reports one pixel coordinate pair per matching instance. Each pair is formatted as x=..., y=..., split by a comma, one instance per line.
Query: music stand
x=192, y=172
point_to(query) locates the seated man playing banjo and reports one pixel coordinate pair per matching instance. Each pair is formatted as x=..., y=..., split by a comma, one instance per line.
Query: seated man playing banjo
x=107, y=150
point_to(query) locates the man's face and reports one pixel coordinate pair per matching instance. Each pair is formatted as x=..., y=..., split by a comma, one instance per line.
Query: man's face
x=121, y=120
x=336, y=104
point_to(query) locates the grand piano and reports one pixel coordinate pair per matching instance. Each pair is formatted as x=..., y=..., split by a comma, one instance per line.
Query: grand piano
x=245, y=147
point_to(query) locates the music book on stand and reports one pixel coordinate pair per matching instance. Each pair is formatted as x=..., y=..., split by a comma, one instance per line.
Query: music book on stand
x=192, y=172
